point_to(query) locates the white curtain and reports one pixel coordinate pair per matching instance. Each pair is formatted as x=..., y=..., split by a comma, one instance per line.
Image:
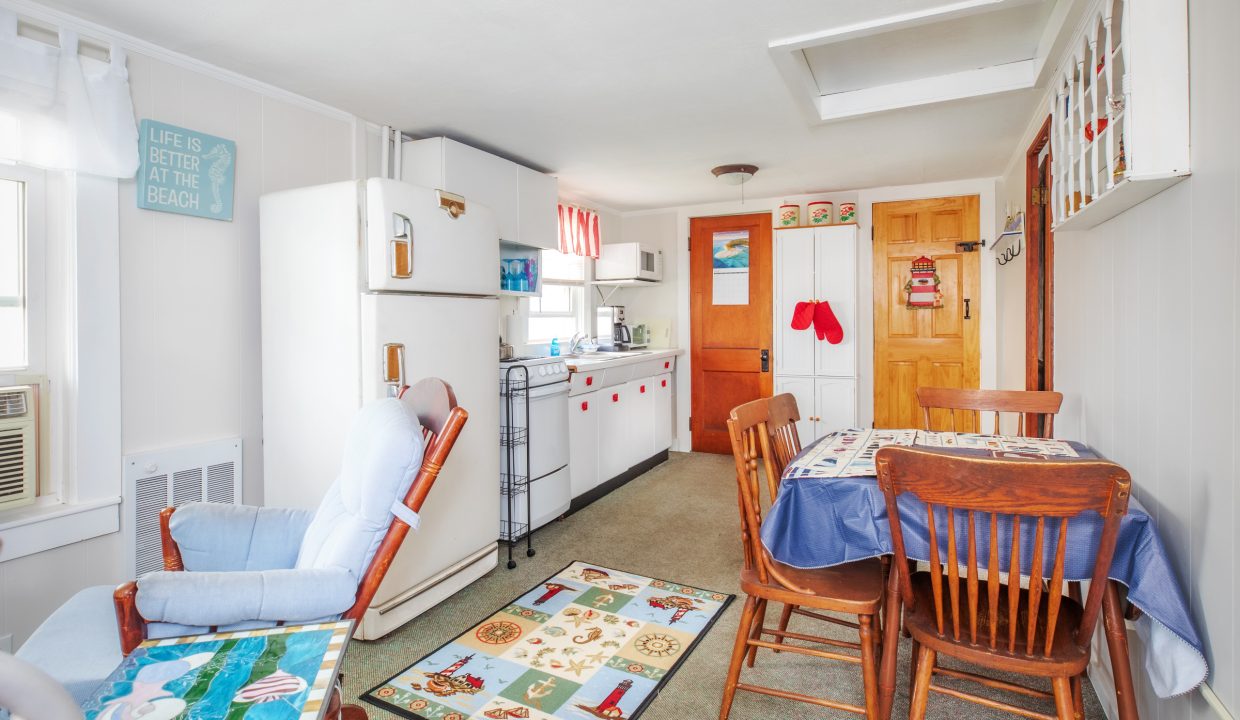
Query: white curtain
x=61, y=111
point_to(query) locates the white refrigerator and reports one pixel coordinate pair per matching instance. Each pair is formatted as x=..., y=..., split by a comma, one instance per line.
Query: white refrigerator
x=368, y=285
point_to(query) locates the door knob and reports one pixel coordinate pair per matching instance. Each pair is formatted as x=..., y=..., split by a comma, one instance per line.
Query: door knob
x=766, y=360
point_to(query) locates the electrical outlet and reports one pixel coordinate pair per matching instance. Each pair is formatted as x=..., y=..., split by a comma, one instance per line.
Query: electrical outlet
x=6, y=643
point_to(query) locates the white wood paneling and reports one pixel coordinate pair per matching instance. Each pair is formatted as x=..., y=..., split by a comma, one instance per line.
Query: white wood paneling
x=1147, y=326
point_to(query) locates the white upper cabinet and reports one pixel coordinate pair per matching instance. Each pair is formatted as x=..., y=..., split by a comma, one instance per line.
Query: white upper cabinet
x=537, y=220
x=815, y=264
x=523, y=200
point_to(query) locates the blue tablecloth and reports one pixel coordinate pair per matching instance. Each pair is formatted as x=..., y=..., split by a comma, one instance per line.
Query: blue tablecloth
x=818, y=522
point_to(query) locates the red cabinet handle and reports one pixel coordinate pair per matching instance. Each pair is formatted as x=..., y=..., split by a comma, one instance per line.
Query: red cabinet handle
x=643, y=388
x=667, y=364
x=664, y=383
x=585, y=406
x=615, y=397
x=589, y=380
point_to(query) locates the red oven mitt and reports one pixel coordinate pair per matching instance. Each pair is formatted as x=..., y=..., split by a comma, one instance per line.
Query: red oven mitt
x=826, y=325
x=802, y=315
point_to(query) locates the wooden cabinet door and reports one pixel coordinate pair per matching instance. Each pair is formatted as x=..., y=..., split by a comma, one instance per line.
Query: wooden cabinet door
x=583, y=442
x=801, y=388
x=730, y=332
x=663, y=418
x=794, y=282
x=920, y=347
x=484, y=178
x=835, y=404
x=537, y=221
x=835, y=282
x=613, y=432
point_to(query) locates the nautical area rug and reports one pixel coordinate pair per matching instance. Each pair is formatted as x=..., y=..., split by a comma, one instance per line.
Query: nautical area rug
x=588, y=642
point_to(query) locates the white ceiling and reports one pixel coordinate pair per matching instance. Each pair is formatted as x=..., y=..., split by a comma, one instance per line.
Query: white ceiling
x=629, y=103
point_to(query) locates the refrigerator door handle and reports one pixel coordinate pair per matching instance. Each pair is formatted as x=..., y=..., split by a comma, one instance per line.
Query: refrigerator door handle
x=394, y=368
x=400, y=247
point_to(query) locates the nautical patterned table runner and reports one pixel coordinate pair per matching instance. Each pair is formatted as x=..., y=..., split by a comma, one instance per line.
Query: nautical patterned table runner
x=850, y=453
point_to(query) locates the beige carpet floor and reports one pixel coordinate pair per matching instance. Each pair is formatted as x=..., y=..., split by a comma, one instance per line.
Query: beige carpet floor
x=677, y=522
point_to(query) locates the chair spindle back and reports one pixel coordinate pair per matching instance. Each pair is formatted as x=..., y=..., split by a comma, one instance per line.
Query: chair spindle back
x=781, y=423
x=1036, y=496
x=952, y=402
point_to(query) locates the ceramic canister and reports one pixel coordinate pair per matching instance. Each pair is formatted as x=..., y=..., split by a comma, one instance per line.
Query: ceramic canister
x=789, y=215
x=819, y=212
x=848, y=212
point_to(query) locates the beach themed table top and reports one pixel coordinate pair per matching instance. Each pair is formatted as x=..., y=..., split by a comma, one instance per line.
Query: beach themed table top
x=830, y=510
x=280, y=673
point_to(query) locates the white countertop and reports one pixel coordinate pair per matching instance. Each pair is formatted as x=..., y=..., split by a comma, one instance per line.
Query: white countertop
x=602, y=360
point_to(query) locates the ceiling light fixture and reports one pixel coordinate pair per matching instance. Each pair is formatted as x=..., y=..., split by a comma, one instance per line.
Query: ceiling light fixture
x=735, y=174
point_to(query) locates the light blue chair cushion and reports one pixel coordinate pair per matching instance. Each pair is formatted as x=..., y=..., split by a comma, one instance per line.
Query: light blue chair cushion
x=225, y=598
x=381, y=457
x=212, y=536
x=78, y=645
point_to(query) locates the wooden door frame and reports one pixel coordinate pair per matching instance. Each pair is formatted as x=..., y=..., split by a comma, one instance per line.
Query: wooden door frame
x=1036, y=262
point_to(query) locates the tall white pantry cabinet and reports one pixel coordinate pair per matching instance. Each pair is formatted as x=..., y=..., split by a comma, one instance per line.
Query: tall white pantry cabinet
x=817, y=263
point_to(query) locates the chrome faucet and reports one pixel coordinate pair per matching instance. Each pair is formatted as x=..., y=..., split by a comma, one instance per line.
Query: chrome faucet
x=574, y=345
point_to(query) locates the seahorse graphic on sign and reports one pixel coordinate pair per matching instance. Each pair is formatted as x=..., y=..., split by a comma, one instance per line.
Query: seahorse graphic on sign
x=221, y=160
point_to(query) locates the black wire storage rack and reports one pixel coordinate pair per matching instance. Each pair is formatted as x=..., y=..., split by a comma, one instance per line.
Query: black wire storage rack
x=514, y=481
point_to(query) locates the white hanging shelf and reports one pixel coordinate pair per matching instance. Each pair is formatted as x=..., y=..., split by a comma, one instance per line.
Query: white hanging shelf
x=1124, y=78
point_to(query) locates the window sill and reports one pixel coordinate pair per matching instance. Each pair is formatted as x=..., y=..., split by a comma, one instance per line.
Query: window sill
x=33, y=529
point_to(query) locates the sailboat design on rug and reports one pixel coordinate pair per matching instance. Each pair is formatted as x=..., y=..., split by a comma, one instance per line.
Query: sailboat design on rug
x=446, y=683
x=610, y=707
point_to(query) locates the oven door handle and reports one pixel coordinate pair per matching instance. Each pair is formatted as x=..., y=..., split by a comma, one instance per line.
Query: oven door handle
x=546, y=391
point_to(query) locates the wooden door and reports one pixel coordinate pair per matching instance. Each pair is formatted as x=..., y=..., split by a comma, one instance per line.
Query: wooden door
x=916, y=347
x=730, y=321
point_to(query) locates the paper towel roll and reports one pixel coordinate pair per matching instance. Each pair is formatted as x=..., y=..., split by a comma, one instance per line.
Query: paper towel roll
x=514, y=330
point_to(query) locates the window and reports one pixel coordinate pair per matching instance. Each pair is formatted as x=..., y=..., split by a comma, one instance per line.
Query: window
x=21, y=254
x=560, y=312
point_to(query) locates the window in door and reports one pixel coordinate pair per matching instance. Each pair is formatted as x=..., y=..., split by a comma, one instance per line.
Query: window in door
x=560, y=310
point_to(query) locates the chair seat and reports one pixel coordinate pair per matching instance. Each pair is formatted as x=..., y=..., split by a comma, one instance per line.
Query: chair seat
x=855, y=588
x=1066, y=658
x=78, y=644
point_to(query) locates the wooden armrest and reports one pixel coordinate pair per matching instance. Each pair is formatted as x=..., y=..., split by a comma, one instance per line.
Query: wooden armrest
x=130, y=624
x=172, y=553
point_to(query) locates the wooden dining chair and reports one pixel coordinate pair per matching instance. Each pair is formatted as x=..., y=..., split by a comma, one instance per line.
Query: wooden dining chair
x=1035, y=409
x=1013, y=629
x=851, y=589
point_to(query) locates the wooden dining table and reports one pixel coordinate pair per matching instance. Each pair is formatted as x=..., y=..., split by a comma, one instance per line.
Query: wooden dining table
x=830, y=510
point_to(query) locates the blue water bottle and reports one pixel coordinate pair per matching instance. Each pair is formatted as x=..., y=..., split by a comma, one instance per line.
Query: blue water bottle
x=555, y=347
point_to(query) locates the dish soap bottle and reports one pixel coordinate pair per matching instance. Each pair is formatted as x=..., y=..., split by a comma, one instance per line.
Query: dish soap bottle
x=555, y=347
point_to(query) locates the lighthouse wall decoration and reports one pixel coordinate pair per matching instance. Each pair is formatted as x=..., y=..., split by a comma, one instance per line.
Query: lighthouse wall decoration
x=922, y=287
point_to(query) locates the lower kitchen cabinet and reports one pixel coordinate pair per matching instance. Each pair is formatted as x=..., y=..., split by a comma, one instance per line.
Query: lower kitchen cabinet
x=583, y=435
x=614, y=428
x=826, y=404
x=663, y=417
x=615, y=452
x=641, y=420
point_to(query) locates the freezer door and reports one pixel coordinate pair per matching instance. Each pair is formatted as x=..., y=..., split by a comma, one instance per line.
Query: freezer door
x=452, y=339
x=413, y=245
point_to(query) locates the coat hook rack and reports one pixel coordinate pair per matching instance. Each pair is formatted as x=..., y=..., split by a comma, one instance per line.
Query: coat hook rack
x=1015, y=225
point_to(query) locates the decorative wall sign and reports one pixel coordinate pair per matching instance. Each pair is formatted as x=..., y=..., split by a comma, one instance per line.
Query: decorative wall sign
x=185, y=172
x=923, y=285
x=730, y=265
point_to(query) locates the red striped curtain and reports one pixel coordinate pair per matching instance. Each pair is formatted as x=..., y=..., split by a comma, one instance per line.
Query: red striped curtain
x=579, y=233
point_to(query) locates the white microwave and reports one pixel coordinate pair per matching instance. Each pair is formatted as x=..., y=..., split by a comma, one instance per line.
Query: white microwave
x=628, y=261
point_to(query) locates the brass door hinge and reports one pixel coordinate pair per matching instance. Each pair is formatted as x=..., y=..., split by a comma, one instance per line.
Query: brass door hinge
x=1037, y=195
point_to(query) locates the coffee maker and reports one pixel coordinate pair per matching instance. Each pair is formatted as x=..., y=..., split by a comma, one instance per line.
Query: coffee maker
x=609, y=326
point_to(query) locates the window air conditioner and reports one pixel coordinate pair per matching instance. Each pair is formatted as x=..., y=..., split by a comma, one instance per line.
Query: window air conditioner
x=19, y=455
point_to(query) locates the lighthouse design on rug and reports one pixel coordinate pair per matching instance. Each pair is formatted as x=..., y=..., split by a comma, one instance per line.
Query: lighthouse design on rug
x=610, y=707
x=923, y=285
x=446, y=683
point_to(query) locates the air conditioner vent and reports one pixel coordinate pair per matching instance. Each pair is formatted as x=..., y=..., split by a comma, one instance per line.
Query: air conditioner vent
x=13, y=403
x=172, y=478
x=19, y=454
